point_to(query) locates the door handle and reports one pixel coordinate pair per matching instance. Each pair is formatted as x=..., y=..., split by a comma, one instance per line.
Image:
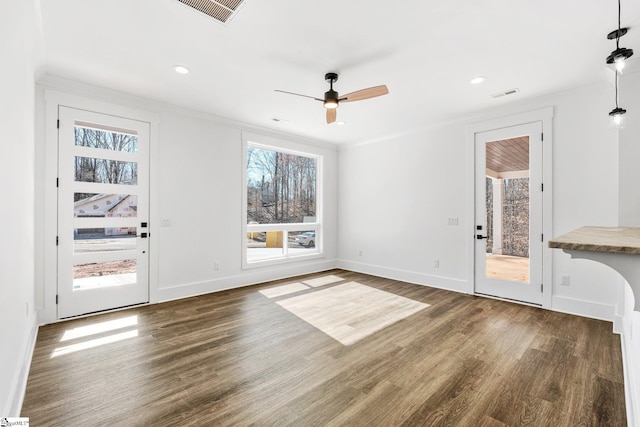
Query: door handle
x=480, y=237
x=143, y=235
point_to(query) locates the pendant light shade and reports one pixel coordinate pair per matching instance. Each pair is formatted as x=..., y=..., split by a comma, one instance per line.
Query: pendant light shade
x=617, y=114
x=617, y=117
x=619, y=56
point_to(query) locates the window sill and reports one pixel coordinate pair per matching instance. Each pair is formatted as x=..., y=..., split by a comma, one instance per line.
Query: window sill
x=279, y=261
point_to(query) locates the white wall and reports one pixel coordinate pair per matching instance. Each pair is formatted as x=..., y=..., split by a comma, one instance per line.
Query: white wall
x=394, y=201
x=629, y=216
x=629, y=156
x=396, y=195
x=196, y=184
x=19, y=42
x=585, y=161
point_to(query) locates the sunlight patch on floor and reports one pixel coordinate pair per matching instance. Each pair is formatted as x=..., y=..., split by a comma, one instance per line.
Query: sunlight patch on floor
x=98, y=328
x=85, y=335
x=324, y=280
x=84, y=345
x=352, y=311
x=284, y=290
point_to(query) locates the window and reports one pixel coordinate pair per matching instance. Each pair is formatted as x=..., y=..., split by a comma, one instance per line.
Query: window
x=281, y=205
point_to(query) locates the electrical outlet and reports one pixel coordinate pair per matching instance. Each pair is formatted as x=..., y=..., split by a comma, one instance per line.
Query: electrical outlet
x=359, y=252
x=565, y=280
x=216, y=265
x=165, y=222
x=436, y=263
x=452, y=221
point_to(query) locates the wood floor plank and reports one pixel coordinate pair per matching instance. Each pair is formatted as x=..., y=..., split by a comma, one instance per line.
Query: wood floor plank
x=237, y=358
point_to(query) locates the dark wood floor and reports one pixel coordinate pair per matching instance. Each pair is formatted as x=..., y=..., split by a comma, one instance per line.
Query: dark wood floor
x=237, y=358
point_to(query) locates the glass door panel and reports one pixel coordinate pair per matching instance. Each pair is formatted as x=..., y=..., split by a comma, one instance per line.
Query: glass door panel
x=104, y=274
x=92, y=240
x=507, y=202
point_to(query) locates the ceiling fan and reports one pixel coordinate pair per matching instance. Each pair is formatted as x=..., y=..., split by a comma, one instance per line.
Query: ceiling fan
x=332, y=99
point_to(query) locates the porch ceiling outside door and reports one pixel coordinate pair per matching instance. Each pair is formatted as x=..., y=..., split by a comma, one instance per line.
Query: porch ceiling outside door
x=508, y=155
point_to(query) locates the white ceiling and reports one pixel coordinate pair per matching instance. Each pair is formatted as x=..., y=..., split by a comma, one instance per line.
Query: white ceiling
x=424, y=51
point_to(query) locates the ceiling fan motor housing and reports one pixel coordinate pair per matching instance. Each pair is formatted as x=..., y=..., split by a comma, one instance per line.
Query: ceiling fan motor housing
x=331, y=99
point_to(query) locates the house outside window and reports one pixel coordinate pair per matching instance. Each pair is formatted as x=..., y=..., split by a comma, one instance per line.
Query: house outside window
x=281, y=205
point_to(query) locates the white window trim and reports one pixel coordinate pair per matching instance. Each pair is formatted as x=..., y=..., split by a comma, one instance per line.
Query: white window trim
x=289, y=147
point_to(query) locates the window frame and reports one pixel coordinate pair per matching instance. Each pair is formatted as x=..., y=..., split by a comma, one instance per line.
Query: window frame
x=288, y=147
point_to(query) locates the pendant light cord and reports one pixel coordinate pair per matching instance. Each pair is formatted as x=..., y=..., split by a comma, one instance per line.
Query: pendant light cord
x=617, y=90
x=619, y=28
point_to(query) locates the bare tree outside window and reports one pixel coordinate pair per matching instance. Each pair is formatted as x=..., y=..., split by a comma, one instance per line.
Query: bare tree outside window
x=105, y=140
x=281, y=187
x=105, y=171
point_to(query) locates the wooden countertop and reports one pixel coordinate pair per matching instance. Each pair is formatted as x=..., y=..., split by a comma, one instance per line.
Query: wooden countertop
x=615, y=240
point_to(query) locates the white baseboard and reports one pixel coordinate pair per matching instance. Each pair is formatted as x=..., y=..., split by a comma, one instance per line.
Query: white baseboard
x=629, y=390
x=439, y=282
x=19, y=383
x=618, y=325
x=582, y=308
x=247, y=278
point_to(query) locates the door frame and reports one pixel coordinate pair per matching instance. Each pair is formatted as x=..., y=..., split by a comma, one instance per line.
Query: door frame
x=529, y=292
x=48, y=216
x=101, y=298
x=545, y=116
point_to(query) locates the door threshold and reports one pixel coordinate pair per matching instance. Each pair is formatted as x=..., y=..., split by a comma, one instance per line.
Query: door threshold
x=531, y=304
x=108, y=310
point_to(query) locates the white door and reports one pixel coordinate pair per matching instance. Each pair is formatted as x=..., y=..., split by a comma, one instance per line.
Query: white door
x=103, y=210
x=508, y=248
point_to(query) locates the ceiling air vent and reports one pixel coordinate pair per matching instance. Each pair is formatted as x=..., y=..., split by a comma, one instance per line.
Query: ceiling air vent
x=220, y=10
x=505, y=93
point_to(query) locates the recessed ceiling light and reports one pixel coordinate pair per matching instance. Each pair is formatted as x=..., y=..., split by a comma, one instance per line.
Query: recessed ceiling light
x=478, y=80
x=281, y=120
x=341, y=123
x=181, y=69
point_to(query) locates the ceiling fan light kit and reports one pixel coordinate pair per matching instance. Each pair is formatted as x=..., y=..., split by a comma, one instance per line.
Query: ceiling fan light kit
x=618, y=57
x=332, y=99
x=330, y=104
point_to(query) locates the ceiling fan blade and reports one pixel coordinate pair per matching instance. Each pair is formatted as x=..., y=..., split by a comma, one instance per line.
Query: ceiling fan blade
x=359, y=95
x=331, y=115
x=297, y=94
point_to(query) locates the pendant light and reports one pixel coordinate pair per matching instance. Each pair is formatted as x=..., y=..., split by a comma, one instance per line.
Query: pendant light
x=618, y=57
x=621, y=54
x=617, y=114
